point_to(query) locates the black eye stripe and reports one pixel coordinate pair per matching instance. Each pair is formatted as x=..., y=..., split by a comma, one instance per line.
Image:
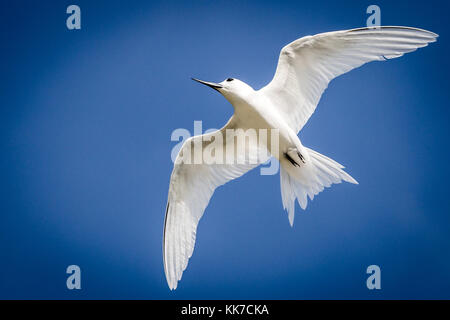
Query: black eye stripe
x=230, y=79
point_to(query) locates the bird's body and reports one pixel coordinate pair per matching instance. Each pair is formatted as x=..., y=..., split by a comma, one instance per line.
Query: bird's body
x=257, y=112
x=305, y=68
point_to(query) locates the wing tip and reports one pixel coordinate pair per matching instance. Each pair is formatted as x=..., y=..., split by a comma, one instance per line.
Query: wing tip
x=430, y=33
x=348, y=178
x=173, y=287
x=172, y=283
x=291, y=220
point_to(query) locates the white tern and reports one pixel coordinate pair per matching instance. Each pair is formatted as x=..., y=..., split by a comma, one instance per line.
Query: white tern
x=305, y=67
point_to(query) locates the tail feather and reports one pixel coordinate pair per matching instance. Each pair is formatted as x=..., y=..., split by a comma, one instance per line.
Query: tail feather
x=309, y=180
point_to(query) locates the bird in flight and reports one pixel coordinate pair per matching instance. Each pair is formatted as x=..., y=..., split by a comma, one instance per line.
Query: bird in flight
x=305, y=67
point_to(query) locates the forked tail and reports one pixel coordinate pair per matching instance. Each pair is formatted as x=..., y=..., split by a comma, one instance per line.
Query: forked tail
x=307, y=180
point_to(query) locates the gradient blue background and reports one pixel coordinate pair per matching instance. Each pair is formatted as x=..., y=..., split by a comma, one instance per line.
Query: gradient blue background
x=86, y=118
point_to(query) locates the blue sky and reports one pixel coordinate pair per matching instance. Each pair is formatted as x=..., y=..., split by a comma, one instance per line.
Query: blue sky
x=86, y=119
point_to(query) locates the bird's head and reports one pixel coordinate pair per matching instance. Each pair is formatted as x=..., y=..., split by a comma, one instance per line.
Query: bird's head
x=234, y=90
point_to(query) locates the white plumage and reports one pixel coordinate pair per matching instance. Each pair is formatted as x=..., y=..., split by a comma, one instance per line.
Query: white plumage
x=305, y=68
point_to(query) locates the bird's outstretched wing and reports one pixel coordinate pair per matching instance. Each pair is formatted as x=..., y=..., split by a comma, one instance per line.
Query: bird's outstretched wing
x=191, y=187
x=307, y=65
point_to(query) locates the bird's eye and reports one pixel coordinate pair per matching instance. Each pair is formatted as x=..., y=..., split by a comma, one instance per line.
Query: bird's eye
x=230, y=79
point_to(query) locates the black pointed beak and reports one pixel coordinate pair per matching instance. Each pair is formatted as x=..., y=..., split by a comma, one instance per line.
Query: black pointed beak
x=213, y=85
